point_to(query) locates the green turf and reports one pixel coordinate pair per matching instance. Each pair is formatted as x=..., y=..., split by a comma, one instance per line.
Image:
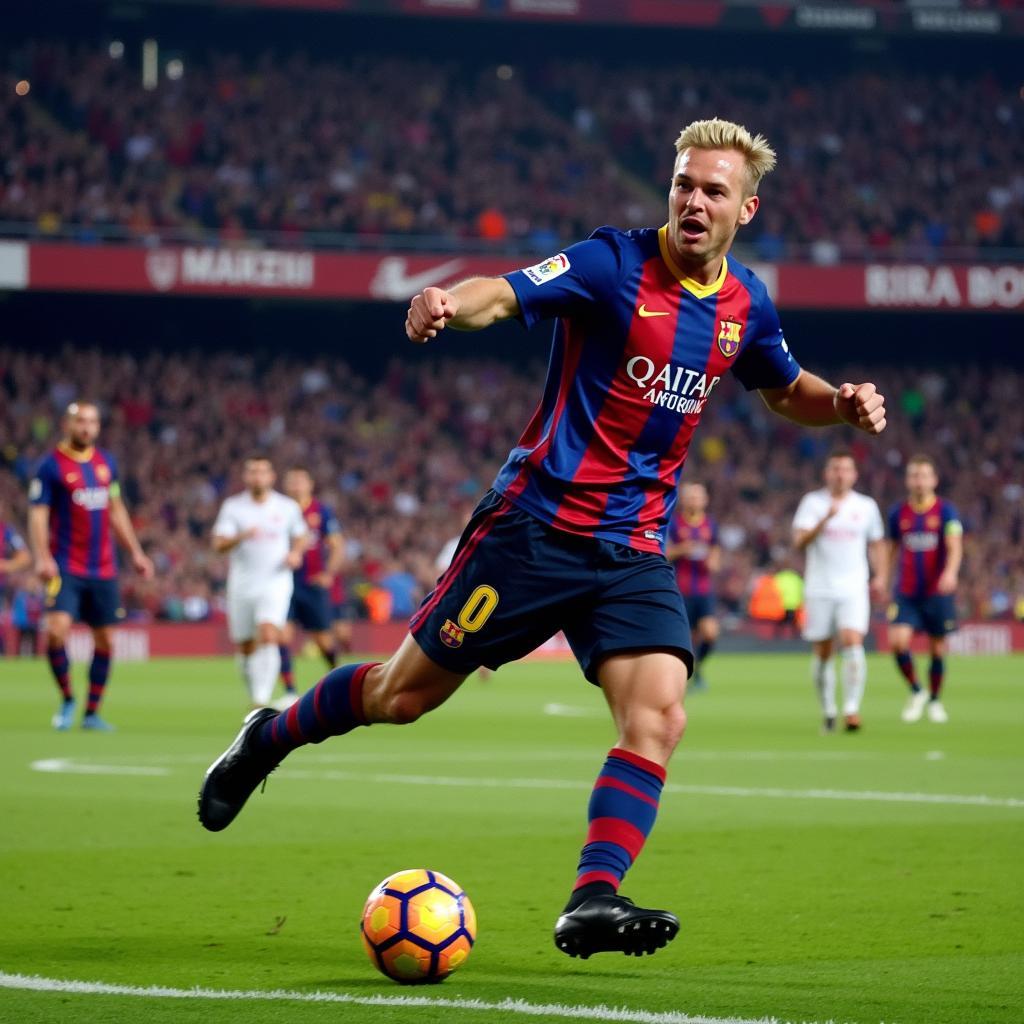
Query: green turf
x=793, y=906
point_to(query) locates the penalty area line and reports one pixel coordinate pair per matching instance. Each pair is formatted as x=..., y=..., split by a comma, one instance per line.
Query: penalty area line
x=34, y=983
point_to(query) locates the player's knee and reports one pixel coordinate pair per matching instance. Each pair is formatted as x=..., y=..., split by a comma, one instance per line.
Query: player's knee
x=404, y=708
x=673, y=726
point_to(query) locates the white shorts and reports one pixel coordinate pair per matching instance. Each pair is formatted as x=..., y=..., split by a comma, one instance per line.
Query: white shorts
x=825, y=616
x=248, y=609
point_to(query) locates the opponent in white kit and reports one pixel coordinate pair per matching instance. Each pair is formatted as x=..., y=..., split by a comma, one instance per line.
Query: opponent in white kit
x=841, y=531
x=265, y=533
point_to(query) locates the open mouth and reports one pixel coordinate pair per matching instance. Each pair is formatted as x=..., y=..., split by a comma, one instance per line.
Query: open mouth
x=692, y=229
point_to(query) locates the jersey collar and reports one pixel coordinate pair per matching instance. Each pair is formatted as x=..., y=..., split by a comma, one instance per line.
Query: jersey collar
x=924, y=509
x=695, y=288
x=70, y=452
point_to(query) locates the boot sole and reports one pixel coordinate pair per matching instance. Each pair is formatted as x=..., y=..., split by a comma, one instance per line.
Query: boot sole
x=635, y=938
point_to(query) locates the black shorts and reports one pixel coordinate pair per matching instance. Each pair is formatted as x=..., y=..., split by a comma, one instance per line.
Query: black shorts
x=514, y=582
x=311, y=607
x=698, y=606
x=934, y=615
x=95, y=602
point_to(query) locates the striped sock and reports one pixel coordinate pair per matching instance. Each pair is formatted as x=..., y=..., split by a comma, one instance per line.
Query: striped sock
x=332, y=708
x=704, y=651
x=61, y=669
x=287, y=676
x=936, y=673
x=905, y=663
x=622, y=810
x=331, y=657
x=99, y=671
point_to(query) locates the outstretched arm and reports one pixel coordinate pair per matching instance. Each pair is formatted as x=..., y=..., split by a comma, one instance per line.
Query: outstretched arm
x=469, y=306
x=813, y=402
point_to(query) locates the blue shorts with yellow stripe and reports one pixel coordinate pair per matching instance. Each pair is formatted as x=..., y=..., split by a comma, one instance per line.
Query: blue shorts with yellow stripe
x=514, y=582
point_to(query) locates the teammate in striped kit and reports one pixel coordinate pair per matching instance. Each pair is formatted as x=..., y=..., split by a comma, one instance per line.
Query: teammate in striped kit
x=926, y=548
x=76, y=513
x=694, y=549
x=571, y=535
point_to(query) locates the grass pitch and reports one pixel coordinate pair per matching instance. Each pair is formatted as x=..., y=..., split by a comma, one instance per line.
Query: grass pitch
x=858, y=878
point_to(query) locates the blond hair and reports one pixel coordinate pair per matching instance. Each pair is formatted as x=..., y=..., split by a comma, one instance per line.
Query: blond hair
x=718, y=134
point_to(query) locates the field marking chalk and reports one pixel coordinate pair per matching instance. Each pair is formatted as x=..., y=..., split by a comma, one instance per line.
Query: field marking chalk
x=66, y=766
x=34, y=983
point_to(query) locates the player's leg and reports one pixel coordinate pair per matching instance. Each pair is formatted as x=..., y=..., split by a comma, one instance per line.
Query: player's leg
x=265, y=661
x=99, y=675
x=853, y=618
x=706, y=633
x=285, y=652
x=819, y=627
x=319, y=625
x=57, y=627
x=936, y=676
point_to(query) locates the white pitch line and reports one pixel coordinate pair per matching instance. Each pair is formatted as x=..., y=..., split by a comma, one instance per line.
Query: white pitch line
x=66, y=766
x=33, y=983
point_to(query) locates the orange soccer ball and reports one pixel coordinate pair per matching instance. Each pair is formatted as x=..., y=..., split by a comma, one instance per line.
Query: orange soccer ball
x=418, y=926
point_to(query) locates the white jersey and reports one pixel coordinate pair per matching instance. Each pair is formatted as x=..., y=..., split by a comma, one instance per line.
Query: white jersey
x=837, y=560
x=259, y=561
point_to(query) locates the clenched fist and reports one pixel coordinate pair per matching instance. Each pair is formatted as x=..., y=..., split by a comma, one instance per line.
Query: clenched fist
x=429, y=312
x=861, y=406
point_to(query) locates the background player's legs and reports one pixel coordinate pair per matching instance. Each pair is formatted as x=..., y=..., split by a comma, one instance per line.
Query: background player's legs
x=264, y=663
x=823, y=674
x=324, y=641
x=58, y=625
x=99, y=673
x=853, y=667
x=399, y=691
x=645, y=695
x=242, y=656
x=900, y=635
x=706, y=635
x=936, y=676
x=285, y=652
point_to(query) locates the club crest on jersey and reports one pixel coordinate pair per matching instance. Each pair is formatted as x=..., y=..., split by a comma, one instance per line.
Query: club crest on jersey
x=452, y=635
x=103, y=474
x=729, y=337
x=551, y=268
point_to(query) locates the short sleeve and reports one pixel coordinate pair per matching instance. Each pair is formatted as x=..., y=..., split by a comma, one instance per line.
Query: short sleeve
x=115, y=473
x=329, y=525
x=951, y=524
x=298, y=526
x=894, y=523
x=766, y=361
x=40, y=490
x=583, y=274
x=226, y=525
x=805, y=517
x=876, y=531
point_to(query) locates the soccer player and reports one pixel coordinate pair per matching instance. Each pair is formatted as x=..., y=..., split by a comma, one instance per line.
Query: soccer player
x=265, y=534
x=76, y=512
x=14, y=557
x=840, y=531
x=925, y=548
x=693, y=547
x=321, y=563
x=571, y=535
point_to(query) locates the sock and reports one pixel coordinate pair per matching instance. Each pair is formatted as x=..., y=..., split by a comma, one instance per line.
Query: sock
x=823, y=672
x=854, y=671
x=905, y=663
x=264, y=668
x=242, y=664
x=936, y=672
x=61, y=670
x=623, y=806
x=704, y=650
x=332, y=708
x=99, y=670
x=287, y=676
x=331, y=657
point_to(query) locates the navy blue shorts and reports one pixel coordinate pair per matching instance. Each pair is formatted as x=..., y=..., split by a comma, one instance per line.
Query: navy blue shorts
x=699, y=606
x=311, y=607
x=514, y=582
x=934, y=615
x=342, y=611
x=95, y=602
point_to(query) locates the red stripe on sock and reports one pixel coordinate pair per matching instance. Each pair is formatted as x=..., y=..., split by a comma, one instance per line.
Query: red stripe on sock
x=597, y=876
x=619, y=832
x=355, y=691
x=653, y=767
x=291, y=722
x=609, y=782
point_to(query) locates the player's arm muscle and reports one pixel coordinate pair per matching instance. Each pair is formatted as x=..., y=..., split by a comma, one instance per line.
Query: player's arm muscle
x=335, y=554
x=121, y=524
x=39, y=529
x=954, y=553
x=469, y=306
x=813, y=402
x=715, y=558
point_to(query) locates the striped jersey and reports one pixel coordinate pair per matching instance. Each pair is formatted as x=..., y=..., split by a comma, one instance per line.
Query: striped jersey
x=77, y=488
x=921, y=537
x=638, y=350
x=692, y=573
x=321, y=524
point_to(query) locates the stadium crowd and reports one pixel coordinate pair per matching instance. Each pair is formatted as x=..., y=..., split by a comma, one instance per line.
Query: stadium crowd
x=874, y=165
x=403, y=459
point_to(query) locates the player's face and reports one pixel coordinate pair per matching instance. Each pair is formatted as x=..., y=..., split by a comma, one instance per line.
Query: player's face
x=921, y=480
x=707, y=205
x=840, y=475
x=694, y=499
x=258, y=476
x=298, y=485
x=83, y=425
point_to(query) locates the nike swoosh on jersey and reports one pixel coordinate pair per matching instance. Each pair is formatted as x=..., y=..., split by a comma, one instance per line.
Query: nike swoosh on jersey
x=393, y=280
x=644, y=311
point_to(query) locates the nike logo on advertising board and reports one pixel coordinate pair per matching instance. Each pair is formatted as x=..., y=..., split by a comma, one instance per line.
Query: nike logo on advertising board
x=393, y=280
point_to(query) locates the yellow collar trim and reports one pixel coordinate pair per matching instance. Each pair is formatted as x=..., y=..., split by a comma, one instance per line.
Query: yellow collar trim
x=70, y=452
x=695, y=288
